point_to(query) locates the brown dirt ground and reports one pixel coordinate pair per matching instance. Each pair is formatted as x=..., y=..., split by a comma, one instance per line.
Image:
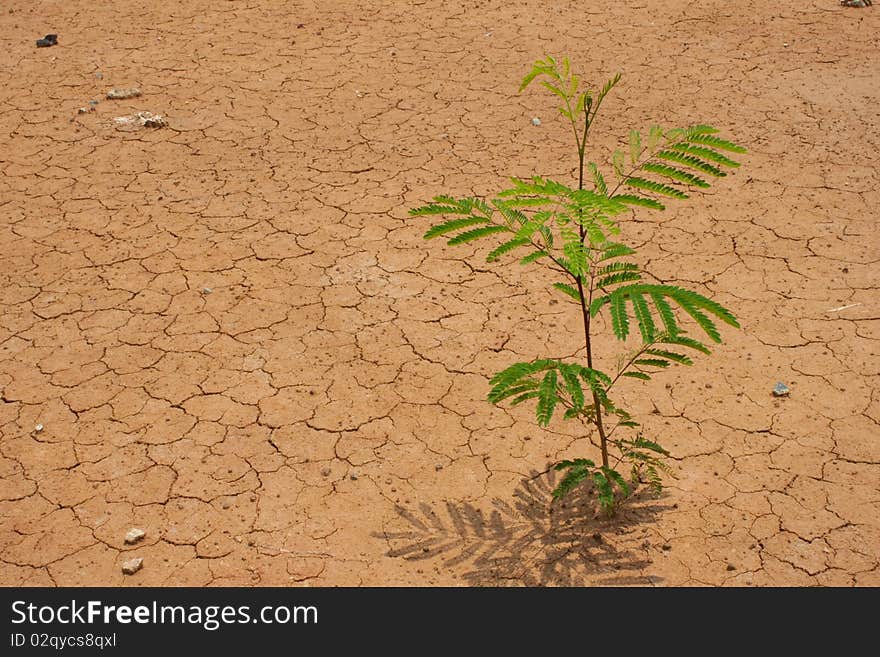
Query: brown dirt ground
x=265, y=432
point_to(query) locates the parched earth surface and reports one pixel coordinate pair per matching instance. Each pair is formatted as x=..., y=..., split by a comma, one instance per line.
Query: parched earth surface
x=234, y=337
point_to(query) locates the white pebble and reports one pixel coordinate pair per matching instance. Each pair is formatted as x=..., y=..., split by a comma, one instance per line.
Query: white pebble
x=134, y=535
x=536, y=121
x=131, y=566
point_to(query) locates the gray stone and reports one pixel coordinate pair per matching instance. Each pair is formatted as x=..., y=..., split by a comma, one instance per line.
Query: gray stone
x=781, y=390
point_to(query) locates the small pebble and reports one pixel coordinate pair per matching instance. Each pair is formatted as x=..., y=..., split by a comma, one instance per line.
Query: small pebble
x=439, y=466
x=353, y=476
x=38, y=428
x=781, y=390
x=731, y=567
x=536, y=121
x=131, y=566
x=325, y=472
x=99, y=75
x=666, y=547
x=207, y=290
x=134, y=535
x=225, y=504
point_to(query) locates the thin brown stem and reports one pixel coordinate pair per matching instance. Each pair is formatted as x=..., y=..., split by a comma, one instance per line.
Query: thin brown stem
x=585, y=312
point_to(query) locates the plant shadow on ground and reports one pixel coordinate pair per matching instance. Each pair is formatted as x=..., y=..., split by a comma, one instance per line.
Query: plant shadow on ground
x=533, y=540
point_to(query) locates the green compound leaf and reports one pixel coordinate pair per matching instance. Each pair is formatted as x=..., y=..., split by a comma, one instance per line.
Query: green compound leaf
x=475, y=234
x=547, y=399
x=657, y=188
x=568, y=290
x=673, y=356
x=690, y=161
x=704, y=153
x=715, y=142
x=652, y=362
x=619, y=318
x=598, y=180
x=572, y=385
x=675, y=174
x=453, y=225
x=640, y=201
x=506, y=247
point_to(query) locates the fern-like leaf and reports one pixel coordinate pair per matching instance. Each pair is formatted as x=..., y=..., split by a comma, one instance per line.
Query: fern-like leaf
x=568, y=290
x=579, y=470
x=704, y=153
x=507, y=247
x=598, y=180
x=533, y=256
x=673, y=356
x=453, y=225
x=635, y=146
x=572, y=385
x=617, y=278
x=692, y=303
x=715, y=142
x=641, y=201
x=514, y=390
x=614, y=476
x=547, y=398
x=619, y=318
x=666, y=313
x=613, y=250
x=512, y=216
x=652, y=362
x=675, y=174
x=657, y=188
x=685, y=341
x=643, y=318
x=690, y=161
x=513, y=375
x=525, y=397
x=476, y=233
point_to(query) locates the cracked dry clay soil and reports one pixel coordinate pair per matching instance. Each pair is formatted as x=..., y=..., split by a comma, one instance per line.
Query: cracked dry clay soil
x=235, y=338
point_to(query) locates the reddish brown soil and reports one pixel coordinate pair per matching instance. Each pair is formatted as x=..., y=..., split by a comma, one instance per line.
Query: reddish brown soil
x=263, y=433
